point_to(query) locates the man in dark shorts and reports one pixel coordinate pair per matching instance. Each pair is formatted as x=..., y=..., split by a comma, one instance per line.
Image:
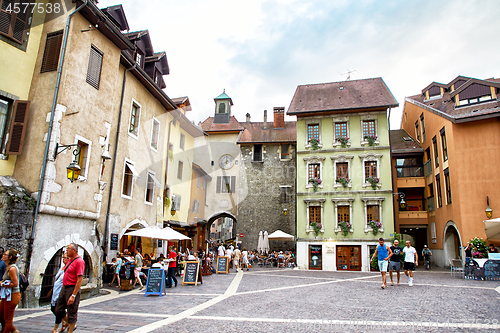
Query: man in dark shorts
x=411, y=260
x=69, y=298
x=395, y=261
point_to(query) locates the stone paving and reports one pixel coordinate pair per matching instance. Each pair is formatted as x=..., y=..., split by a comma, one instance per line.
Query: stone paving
x=286, y=300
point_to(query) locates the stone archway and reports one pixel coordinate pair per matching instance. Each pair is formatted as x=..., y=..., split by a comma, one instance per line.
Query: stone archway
x=135, y=223
x=214, y=218
x=452, y=242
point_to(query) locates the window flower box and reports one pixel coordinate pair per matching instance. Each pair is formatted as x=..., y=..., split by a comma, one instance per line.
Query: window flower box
x=343, y=181
x=315, y=183
x=374, y=182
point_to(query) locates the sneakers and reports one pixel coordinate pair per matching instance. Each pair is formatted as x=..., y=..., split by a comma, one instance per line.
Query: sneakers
x=410, y=283
x=142, y=287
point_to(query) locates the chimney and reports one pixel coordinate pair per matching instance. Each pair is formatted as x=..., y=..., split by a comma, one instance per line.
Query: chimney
x=248, y=117
x=279, y=117
x=265, y=120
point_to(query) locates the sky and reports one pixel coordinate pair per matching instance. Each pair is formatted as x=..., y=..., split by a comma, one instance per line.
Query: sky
x=259, y=51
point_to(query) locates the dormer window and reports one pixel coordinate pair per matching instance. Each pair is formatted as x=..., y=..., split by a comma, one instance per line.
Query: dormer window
x=138, y=58
x=222, y=108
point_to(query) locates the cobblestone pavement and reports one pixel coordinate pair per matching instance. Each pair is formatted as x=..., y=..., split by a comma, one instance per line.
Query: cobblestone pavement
x=286, y=300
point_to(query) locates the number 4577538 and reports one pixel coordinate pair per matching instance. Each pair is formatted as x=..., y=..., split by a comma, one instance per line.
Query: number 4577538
x=41, y=8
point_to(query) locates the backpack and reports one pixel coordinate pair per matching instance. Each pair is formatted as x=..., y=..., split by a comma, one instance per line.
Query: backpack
x=23, y=282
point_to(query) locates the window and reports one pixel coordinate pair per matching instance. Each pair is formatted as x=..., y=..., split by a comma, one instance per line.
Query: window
x=198, y=180
x=150, y=188
x=203, y=184
x=312, y=132
x=436, y=156
x=409, y=167
x=370, y=169
x=138, y=59
x=182, y=141
x=13, y=120
x=438, y=188
x=225, y=184
x=222, y=108
x=129, y=173
x=179, y=169
x=443, y=143
x=373, y=213
x=50, y=58
x=448, y=185
x=314, y=214
x=341, y=130
x=196, y=206
x=82, y=158
x=342, y=170
x=285, y=151
x=155, y=134
x=369, y=128
x=257, y=153
x=135, y=114
x=417, y=131
x=343, y=214
x=94, y=68
x=285, y=194
x=313, y=171
x=12, y=24
x=423, y=126
x=176, y=202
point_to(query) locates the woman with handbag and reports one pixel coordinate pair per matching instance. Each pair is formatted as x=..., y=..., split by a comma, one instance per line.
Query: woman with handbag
x=9, y=292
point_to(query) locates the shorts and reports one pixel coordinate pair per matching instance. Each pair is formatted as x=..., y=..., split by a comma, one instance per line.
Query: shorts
x=236, y=262
x=409, y=266
x=137, y=272
x=382, y=265
x=62, y=304
x=395, y=266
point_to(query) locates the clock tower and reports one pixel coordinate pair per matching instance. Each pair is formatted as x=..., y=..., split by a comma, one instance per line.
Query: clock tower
x=223, y=105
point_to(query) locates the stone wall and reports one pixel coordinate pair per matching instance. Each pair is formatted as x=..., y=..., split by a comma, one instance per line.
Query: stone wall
x=261, y=208
x=16, y=214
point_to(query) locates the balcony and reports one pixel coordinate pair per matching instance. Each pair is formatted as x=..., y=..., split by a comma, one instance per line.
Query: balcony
x=414, y=171
x=428, y=167
x=418, y=214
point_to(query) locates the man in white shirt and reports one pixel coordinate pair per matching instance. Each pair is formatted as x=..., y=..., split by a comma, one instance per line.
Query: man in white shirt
x=229, y=254
x=236, y=259
x=411, y=260
x=221, y=251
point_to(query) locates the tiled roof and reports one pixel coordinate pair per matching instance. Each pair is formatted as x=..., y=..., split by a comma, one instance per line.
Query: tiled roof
x=136, y=34
x=403, y=143
x=342, y=96
x=445, y=105
x=254, y=133
x=233, y=125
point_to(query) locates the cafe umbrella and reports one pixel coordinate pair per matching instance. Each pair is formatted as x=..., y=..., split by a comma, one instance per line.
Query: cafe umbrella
x=281, y=236
x=155, y=232
x=265, y=244
x=261, y=240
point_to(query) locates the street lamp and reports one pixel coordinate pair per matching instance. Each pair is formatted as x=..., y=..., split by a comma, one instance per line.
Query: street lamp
x=488, y=211
x=73, y=169
x=172, y=208
x=402, y=202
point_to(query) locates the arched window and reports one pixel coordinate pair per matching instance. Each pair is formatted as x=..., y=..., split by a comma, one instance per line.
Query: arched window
x=222, y=108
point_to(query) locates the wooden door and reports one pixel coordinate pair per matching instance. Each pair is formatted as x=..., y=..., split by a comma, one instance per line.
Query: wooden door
x=349, y=258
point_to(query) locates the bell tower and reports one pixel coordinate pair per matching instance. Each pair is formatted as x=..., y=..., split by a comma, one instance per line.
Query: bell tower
x=223, y=105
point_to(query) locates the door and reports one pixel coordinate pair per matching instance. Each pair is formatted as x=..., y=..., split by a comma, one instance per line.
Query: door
x=315, y=257
x=349, y=258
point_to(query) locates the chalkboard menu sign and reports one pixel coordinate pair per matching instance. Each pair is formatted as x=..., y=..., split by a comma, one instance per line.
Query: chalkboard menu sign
x=113, y=244
x=191, y=273
x=222, y=265
x=129, y=271
x=155, y=284
x=492, y=270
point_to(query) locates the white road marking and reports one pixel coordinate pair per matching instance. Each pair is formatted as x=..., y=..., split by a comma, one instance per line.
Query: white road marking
x=130, y=314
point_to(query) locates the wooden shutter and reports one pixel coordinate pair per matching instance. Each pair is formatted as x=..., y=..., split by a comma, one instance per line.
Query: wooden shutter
x=233, y=181
x=94, y=69
x=18, y=127
x=50, y=59
x=11, y=24
x=219, y=180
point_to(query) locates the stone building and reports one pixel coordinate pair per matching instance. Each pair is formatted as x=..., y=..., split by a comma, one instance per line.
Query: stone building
x=268, y=183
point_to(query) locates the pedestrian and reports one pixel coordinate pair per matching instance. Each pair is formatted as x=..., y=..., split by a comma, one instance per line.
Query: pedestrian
x=69, y=298
x=468, y=252
x=384, y=253
x=221, y=251
x=492, y=249
x=138, y=268
x=118, y=266
x=172, y=264
x=426, y=254
x=236, y=258
x=3, y=266
x=9, y=291
x=411, y=260
x=56, y=290
x=229, y=254
x=244, y=258
x=395, y=261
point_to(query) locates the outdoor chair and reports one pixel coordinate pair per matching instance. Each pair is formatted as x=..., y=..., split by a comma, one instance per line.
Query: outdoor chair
x=456, y=267
x=281, y=262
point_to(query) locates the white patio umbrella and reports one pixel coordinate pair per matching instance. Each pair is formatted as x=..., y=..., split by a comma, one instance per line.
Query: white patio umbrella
x=281, y=235
x=158, y=233
x=265, y=242
x=259, y=243
x=492, y=228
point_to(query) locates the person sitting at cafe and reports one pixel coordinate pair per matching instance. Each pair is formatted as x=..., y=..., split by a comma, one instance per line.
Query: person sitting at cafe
x=492, y=249
x=146, y=261
x=192, y=256
x=152, y=256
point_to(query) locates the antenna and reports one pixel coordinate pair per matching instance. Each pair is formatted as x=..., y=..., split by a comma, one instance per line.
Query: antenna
x=349, y=72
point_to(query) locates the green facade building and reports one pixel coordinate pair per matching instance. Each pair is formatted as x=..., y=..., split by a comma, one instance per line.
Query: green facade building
x=344, y=185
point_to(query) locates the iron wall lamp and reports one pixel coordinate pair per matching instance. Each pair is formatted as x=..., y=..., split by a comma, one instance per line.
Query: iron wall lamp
x=488, y=211
x=73, y=169
x=402, y=202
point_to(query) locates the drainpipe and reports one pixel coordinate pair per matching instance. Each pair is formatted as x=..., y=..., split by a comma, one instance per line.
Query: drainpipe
x=113, y=168
x=52, y=112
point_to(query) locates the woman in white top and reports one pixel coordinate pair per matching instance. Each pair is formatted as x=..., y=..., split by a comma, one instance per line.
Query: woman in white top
x=244, y=258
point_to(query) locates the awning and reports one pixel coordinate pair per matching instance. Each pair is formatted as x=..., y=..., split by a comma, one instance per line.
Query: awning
x=281, y=235
x=134, y=171
x=492, y=228
x=157, y=183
